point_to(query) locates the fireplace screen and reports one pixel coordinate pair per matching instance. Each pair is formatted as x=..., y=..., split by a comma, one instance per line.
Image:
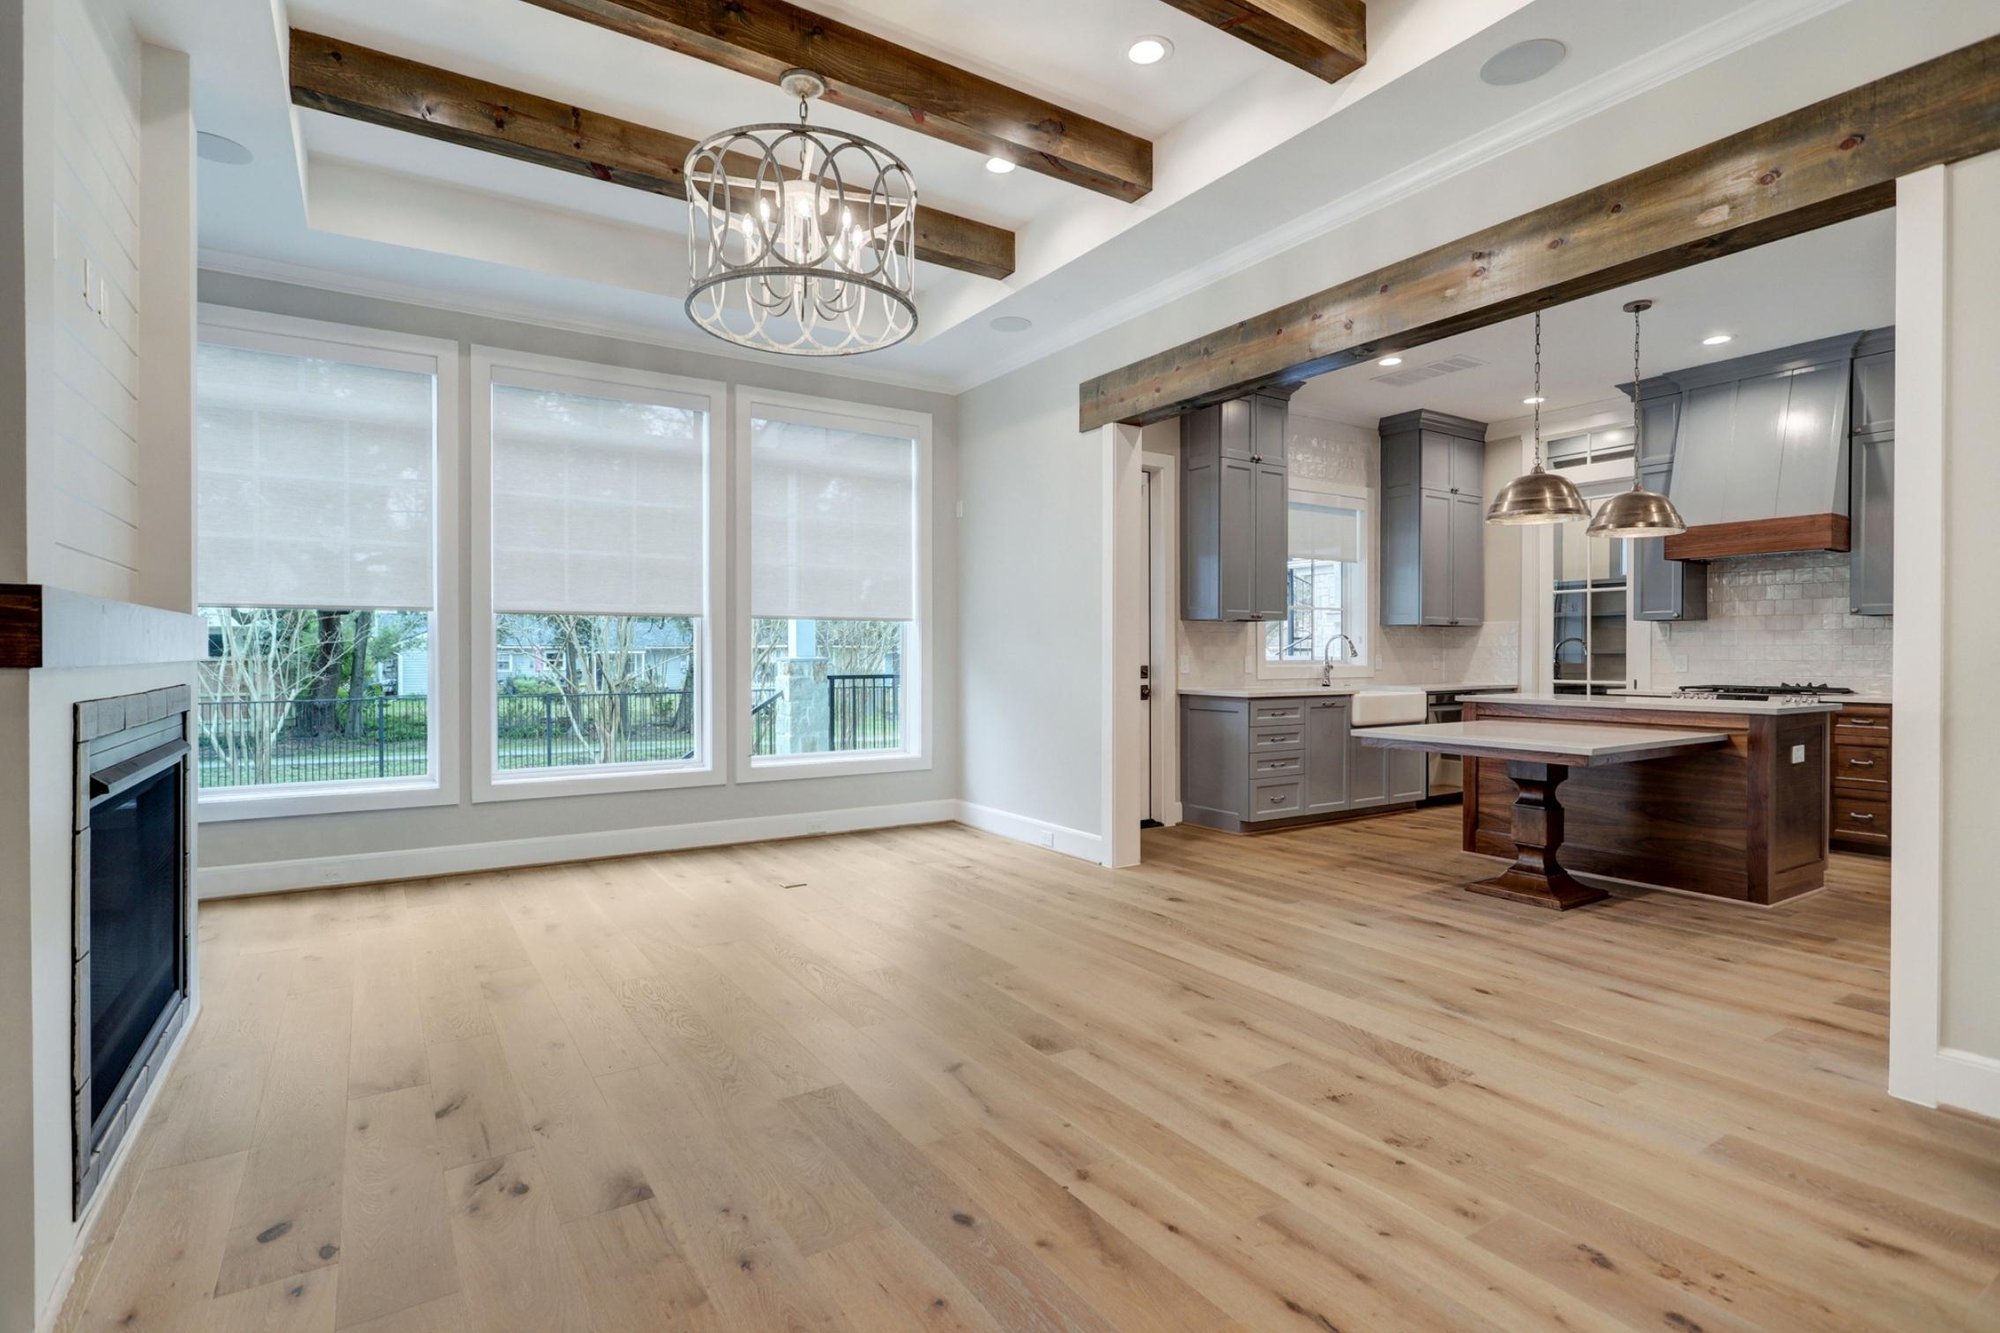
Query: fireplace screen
x=130, y=956
x=135, y=926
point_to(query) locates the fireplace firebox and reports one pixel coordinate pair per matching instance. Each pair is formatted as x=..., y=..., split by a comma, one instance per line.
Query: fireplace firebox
x=130, y=924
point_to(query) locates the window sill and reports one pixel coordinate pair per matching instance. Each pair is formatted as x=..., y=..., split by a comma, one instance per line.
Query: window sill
x=609, y=780
x=830, y=766
x=289, y=802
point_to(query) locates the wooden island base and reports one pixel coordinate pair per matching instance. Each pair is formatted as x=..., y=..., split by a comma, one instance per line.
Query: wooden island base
x=1746, y=820
x=1536, y=877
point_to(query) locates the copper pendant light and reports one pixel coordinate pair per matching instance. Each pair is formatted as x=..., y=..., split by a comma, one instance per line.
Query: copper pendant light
x=1637, y=512
x=1538, y=496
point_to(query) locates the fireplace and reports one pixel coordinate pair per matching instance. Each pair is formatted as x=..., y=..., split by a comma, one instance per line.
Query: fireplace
x=130, y=923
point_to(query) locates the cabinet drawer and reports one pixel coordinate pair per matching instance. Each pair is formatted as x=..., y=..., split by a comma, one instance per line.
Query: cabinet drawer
x=1278, y=736
x=1862, y=724
x=1273, y=800
x=1860, y=765
x=1277, y=710
x=1859, y=817
x=1276, y=765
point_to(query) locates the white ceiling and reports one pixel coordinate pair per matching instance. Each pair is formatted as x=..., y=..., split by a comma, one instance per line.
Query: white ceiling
x=1251, y=155
x=1840, y=279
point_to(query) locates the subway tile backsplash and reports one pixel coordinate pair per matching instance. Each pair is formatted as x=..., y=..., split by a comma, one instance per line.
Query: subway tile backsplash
x=1777, y=618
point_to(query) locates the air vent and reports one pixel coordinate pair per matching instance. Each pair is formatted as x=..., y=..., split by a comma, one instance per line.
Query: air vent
x=1451, y=365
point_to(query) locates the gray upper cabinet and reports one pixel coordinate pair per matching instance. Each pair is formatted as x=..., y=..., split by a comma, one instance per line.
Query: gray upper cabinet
x=1872, y=468
x=1662, y=589
x=1234, y=510
x=1433, y=536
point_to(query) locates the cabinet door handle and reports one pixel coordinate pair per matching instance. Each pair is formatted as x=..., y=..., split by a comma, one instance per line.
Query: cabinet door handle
x=1858, y=722
x=1861, y=763
x=1860, y=818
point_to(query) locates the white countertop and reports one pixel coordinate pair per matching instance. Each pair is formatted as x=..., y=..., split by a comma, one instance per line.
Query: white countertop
x=1302, y=689
x=1668, y=703
x=1580, y=744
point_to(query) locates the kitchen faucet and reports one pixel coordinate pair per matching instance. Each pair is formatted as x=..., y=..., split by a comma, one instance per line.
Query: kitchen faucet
x=1326, y=658
x=1577, y=641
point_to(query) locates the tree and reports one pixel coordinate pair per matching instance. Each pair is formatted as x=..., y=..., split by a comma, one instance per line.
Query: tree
x=598, y=663
x=357, y=677
x=270, y=657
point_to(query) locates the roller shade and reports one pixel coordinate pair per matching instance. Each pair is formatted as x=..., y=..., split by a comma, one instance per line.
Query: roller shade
x=833, y=517
x=1321, y=532
x=599, y=500
x=314, y=481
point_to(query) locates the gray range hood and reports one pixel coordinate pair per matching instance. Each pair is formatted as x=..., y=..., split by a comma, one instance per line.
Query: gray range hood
x=1761, y=453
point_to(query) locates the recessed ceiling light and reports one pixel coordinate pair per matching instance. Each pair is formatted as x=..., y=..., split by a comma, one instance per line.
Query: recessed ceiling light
x=1523, y=62
x=999, y=166
x=1716, y=339
x=1530, y=402
x=1012, y=324
x=1390, y=361
x=1149, y=50
x=215, y=148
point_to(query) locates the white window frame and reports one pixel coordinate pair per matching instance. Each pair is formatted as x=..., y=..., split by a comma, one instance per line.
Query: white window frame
x=771, y=404
x=285, y=335
x=596, y=380
x=1363, y=503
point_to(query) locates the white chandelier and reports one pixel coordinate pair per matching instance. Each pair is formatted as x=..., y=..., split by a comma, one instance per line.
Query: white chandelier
x=801, y=240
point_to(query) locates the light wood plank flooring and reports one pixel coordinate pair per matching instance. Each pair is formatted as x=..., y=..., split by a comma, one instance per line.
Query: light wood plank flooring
x=931, y=1079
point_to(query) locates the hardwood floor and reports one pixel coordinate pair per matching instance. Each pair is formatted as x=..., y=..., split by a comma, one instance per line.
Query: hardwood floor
x=932, y=1079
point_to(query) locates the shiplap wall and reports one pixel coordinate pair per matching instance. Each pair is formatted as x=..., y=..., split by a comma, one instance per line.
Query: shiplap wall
x=91, y=526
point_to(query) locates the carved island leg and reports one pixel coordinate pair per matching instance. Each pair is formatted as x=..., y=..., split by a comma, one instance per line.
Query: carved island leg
x=1535, y=877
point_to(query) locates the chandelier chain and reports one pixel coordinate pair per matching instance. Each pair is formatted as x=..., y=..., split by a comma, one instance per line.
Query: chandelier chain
x=1538, y=390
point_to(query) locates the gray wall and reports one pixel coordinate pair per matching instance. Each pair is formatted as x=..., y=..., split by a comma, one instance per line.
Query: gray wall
x=249, y=842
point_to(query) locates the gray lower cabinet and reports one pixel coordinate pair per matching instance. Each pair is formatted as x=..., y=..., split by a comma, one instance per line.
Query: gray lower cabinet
x=1250, y=761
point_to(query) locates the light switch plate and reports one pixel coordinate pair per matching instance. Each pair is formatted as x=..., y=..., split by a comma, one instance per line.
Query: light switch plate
x=1798, y=754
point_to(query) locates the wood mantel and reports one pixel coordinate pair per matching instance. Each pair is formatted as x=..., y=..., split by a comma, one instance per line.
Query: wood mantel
x=1740, y=821
x=44, y=626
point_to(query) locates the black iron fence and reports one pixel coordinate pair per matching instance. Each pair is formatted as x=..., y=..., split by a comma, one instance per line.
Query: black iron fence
x=261, y=742
x=257, y=742
x=864, y=713
x=558, y=731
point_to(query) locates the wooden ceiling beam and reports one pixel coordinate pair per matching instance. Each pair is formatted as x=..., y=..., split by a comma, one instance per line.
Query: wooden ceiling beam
x=764, y=38
x=1819, y=165
x=353, y=81
x=1327, y=38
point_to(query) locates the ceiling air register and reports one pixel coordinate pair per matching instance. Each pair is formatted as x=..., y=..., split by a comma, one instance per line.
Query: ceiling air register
x=801, y=240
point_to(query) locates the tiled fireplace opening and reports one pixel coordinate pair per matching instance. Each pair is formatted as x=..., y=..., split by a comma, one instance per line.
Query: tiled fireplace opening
x=130, y=945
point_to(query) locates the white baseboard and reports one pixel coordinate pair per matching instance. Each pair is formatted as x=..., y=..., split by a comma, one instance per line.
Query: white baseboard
x=1969, y=1082
x=1035, y=832
x=424, y=862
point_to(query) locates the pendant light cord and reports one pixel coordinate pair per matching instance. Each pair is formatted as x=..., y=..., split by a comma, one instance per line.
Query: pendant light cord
x=1538, y=391
x=1638, y=418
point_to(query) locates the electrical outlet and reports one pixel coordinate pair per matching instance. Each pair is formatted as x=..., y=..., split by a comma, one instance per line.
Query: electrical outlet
x=958, y=510
x=1798, y=754
x=1680, y=661
x=815, y=825
x=1045, y=838
x=1187, y=664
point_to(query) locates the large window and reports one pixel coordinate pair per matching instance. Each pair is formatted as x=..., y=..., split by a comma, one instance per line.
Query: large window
x=1326, y=587
x=837, y=586
x=319, y=489
x=596, y=512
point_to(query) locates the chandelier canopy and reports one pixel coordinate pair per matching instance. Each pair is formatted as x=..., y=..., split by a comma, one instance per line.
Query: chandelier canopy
x=801, y=240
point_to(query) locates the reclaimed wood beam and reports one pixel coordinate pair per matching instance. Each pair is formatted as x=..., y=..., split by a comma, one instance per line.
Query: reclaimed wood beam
x=353, y=81
x=764, y=38
x=1327, y=38
x=1822, y=164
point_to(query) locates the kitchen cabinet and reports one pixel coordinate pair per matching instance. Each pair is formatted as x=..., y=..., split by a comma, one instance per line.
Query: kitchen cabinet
x=1248, y=762
x=1433, y=532
x=1234, y=510
x=1858, y=794
x=1872, y=496
x=1662, y=589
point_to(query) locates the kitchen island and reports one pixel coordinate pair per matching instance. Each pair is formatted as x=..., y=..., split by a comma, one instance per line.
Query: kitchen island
x=1745, y=820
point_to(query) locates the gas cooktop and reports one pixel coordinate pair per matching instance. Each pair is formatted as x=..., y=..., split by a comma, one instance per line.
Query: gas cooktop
x=1804, y=690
